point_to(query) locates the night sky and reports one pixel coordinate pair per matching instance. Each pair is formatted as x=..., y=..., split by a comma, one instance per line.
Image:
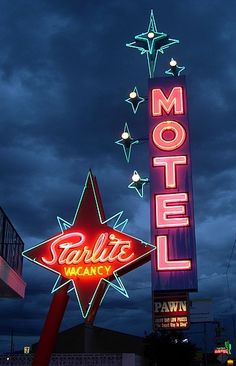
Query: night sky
x=65, y=74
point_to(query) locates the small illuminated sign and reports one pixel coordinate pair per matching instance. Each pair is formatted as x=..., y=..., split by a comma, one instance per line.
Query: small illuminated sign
x=226, y=349
x=172, y=216
x=26, y=350
x=221, y=350
x=171, y=311
x=88, y=252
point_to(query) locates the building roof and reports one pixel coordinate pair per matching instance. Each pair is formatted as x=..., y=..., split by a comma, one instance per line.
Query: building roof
x=91, y=339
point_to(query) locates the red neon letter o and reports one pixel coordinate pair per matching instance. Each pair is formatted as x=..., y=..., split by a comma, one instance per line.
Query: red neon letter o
x=173, y=144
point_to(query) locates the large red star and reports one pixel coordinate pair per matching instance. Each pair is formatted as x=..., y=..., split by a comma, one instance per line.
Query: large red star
x=88, y=252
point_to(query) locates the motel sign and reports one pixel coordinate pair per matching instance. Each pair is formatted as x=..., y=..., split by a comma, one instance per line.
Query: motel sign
x=172, y=216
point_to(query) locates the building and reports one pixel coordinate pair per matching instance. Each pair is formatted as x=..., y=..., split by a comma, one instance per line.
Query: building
x=11, y=260
x=91, y=339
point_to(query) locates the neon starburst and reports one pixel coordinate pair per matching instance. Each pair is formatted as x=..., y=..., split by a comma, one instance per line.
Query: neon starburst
x=127, y=142
x=138, y=183
x=151, y=43
x=89, y=253
x=135, y=99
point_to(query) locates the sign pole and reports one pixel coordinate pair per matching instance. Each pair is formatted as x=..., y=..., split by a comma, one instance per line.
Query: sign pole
x=89, y=320
x=51, y=327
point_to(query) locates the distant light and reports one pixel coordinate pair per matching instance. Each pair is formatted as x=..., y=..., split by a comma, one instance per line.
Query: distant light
x=185, y=340
x=173, y=62
x=136, y=177
x=133, y=95
x=26, y=350
x=125, y=135
x=8, y=358
x=151, y=35
x=230, y=361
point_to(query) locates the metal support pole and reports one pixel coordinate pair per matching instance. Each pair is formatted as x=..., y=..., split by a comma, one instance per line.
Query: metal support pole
x=51, y=327
x=12, y=343
x=205, y=343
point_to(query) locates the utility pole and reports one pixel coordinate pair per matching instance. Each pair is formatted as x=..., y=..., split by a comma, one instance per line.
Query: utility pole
x=12, y=343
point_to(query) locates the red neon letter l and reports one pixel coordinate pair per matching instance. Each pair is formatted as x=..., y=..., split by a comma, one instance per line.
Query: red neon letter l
x=163, y=263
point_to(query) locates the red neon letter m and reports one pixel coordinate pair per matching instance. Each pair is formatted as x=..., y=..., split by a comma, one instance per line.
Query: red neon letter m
x=162, y=103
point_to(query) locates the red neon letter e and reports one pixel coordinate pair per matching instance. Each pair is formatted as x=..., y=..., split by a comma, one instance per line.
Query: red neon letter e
x=166, y=211
x=174, y=101
x=163, y=264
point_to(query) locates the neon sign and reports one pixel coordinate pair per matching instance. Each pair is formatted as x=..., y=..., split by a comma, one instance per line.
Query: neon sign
x=170, y=310
x=172, y=218
x=174, y=101
x=162, y=142
x=226, y=349
x=89, y=253
x=169, y=163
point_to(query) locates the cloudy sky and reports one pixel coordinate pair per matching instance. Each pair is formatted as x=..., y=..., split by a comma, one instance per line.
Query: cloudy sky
x=65, y=73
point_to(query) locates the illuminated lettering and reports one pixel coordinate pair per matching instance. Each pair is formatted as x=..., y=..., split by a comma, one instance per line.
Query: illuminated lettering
x=106, y=249
x=172, y=142
x=221, y=350
x=162, y=103
x=170, y=306
x=172, y=221
x=169, y=163
x=167, y=214
x=163, y=263
x=117, y=252
x=82, y=271
x=64, y=245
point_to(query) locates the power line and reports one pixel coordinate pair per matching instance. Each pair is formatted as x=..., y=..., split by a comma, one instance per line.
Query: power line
x=231, y=255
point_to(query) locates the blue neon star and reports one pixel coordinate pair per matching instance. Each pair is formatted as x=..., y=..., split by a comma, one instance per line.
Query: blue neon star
x=139, y=185
x=175, y=70
x=127, y=143
x=151, y=43
x=135, y=102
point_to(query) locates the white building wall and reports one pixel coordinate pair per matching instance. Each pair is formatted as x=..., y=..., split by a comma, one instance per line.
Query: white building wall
x=77, y=359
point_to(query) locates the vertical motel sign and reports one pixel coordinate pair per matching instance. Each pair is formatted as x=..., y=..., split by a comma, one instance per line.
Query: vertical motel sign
x=172, y=216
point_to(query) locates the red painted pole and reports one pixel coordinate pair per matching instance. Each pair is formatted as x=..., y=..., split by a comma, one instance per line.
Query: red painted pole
x=51, y=327
x=89, y=320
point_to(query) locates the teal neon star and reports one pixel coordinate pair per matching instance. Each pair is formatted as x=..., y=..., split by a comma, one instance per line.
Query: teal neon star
x=127, y=142
x=152, y=36
x=151, y=43
x=138, y=183
x=175, y=70
x=135, y=101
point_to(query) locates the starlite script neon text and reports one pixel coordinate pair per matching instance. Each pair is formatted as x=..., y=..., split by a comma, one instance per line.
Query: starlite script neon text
x=78, y=259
